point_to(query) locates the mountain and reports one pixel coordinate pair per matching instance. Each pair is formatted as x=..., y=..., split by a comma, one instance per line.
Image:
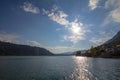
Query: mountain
x=66, y=54
x=115, y=40
x=110, y=49
x=10, y=49
x=71, y=53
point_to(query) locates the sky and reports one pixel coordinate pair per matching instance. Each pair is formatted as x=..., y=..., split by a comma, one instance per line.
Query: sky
x=59, y=25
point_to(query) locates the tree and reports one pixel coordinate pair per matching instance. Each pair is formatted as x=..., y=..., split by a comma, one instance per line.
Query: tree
x=93, y=51
x=78, y=53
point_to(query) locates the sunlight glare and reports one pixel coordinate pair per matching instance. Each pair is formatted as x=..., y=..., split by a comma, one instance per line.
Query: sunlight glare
x=75, y=29
x=81, y=72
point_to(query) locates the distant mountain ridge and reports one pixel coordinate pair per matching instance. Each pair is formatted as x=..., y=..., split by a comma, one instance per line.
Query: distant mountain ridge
x=10, y=49
x=66, y=54
x=110, y=49
x=115, y=40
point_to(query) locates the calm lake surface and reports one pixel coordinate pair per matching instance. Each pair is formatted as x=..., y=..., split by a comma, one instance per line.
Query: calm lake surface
x=58, y=68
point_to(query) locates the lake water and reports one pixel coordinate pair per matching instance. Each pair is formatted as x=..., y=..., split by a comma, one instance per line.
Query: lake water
x=58, y=68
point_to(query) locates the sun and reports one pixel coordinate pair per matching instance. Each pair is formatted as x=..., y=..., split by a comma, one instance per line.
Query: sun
x=75, y=29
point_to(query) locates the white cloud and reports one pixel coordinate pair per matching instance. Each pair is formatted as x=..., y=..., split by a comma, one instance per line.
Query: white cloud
x=29, y=7
x=106, y=21
x=74, y=38
x=17, y=40
x=59, y=17
x=62, y=49
x=7, y=37
x=77, y=32
x=112, y=4
x=93, y=4
x=55, y=7
x=99, y=41
x=75, y=28
x=54, y=49
x=114, y=14
x=34, y=43
x=45, y=12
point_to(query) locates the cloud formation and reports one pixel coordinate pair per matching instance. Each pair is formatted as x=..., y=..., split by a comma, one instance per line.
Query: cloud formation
x=62, y=49
x=7, y=37
x=114, y=14
x=14, y=39
x=75, y=28
x=99, y=41
x=29, y=7
x=33, y=43
x=93, y=4
x=59, y=17
x=77, y=31
x=54, y=49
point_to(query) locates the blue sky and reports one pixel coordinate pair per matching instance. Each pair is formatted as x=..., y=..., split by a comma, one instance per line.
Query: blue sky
x=59, y=25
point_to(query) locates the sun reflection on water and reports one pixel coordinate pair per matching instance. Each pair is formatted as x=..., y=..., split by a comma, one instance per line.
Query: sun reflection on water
x=81, y=71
